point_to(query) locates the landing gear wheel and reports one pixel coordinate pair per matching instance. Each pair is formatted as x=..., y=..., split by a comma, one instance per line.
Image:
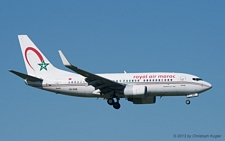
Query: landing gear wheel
x=188, y=102
x=110, y=101
x=116, y=105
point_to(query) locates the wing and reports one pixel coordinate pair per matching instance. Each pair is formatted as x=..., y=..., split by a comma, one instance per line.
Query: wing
x=103, y=84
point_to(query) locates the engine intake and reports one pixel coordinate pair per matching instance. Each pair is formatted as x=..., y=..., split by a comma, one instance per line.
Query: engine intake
x=135, y=90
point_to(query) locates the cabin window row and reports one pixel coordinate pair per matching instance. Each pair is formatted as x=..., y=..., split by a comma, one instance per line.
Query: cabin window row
x=123, y=81
x=145, y=80
x=73, y=82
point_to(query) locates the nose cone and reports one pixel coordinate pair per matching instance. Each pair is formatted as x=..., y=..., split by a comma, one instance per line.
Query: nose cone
x=208, y=85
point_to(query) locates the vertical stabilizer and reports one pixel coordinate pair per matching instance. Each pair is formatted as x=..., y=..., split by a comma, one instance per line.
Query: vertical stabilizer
x=35, y=61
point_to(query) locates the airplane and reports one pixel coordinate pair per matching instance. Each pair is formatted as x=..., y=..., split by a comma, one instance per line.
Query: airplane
x=139, y=88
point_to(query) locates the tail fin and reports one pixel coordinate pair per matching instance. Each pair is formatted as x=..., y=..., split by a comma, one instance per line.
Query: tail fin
x=36, y=63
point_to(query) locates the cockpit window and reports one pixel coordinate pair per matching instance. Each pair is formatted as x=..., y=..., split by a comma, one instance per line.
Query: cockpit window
x=197, y=79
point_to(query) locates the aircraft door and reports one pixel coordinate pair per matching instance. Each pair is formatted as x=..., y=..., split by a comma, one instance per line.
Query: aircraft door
x=181, y=87
x=183, y=78
x=57, y=83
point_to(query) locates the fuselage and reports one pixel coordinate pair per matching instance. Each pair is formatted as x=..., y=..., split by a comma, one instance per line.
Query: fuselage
x=158, y=84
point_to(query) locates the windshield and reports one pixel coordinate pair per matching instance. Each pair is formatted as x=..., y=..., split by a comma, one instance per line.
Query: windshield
x=197, y=79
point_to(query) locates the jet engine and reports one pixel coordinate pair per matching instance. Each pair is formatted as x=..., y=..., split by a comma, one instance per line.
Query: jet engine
x=144, y=100
x=135, y=90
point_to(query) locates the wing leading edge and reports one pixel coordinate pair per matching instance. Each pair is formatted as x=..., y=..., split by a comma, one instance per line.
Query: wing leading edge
x=103, y=84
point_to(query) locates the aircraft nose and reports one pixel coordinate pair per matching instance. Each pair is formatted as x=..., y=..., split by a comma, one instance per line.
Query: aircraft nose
x=208, y=85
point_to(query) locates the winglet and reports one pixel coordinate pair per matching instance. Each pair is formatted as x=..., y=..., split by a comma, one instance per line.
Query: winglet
x=64, y=60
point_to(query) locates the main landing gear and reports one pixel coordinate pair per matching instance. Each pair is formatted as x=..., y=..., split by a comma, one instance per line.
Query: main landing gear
x=116, y=104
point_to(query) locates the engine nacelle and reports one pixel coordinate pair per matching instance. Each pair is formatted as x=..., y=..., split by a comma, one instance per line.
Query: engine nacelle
x=144, y=100
x=135, y=90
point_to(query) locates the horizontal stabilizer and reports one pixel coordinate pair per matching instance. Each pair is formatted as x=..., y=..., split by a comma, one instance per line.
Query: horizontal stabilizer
x=25, y=76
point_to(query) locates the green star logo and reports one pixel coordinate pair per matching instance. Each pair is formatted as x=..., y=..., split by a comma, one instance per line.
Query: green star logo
x=43, y=65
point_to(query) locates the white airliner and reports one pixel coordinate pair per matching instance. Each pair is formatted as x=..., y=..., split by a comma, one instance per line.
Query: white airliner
x=139, y=88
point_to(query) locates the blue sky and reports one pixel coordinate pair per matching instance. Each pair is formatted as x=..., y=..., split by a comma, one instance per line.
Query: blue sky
x=113, y=36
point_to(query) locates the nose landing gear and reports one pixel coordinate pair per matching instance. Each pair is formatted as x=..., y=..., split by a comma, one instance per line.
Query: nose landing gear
x=188, y=101
x=191, y=96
